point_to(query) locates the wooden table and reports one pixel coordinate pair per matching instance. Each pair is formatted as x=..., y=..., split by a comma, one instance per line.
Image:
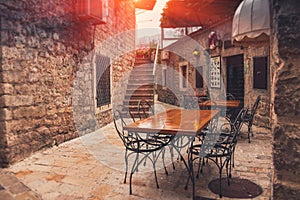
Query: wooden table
x=221, y=103
x=174, y=121
x=177, y=122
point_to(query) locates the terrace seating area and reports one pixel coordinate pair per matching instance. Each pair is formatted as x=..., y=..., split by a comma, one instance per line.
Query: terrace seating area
x=92, y=167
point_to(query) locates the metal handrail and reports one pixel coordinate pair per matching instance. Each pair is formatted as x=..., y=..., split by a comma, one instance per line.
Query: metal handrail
x=154, y=69
x=155, y=59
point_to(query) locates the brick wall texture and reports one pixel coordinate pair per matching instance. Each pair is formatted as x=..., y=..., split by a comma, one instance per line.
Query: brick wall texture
x=45, y=56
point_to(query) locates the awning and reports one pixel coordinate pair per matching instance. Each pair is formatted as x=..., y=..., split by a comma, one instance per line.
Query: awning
x=194, y=13
x=144, y=4
x=251, y=22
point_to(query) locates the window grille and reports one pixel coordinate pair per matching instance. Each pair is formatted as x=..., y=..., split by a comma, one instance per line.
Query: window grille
x=103, y=80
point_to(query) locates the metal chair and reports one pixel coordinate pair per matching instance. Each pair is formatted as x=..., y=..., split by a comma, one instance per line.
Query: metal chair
x=230, y=96
x=142, y=145
x=145, y=109
x=218, y=148
x=249, y=117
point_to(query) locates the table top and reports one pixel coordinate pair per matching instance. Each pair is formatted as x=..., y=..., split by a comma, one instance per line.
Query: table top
x=174, y=121
x=222, y=103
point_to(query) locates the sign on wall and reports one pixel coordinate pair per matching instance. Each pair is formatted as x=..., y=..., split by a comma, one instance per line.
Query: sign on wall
x=215, y=72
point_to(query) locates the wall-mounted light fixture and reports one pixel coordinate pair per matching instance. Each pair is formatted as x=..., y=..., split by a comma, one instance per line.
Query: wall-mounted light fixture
x=196, y=52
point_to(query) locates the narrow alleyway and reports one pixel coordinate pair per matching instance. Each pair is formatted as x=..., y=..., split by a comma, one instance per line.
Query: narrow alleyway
x=92, y=167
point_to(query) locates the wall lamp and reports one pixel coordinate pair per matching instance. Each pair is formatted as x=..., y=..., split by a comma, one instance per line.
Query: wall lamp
x=196, y=52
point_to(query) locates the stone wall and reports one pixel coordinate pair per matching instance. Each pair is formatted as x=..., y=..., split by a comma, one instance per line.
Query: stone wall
x=286, y=98
x=46, y=54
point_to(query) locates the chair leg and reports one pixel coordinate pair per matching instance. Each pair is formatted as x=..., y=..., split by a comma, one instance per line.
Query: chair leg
x=249, y=130
x=228, y=175
x=199, y=167
x=133, y=169
x=172, y=157
x=126, y=165
x=163, y=159
x=220, y=181
x=154, y=168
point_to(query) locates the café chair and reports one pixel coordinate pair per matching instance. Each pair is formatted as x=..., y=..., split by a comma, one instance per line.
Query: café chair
x=230, y=96
x=249, y=117
x=141, y=145
x=145, y=110
x=219, y=148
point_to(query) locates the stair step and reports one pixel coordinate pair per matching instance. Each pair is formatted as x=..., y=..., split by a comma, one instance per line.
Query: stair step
x=142, y=71
x=140, y=61
x=134, y=86
x=141, y=76
x=134, y=102
x=143, y=68
x=135, y=114
x=139, y=96
x=140, y=82
x=139, y=91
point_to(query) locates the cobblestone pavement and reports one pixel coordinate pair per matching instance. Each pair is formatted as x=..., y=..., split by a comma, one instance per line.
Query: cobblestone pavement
x=92, y=168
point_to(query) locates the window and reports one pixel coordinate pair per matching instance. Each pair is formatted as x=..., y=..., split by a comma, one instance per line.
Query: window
x=183, y=76
x=102, y=80
x=199, y=77
x=260, y=71
x=95, y=11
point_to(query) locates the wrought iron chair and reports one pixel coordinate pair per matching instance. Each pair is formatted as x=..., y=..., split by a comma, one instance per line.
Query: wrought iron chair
x=219, y=148
x=142, y=145
x=145, y=109
x=249, y=117
x=223, y=133
x=230, y=96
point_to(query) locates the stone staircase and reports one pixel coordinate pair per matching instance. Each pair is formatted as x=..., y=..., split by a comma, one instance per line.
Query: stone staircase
x=140, y=85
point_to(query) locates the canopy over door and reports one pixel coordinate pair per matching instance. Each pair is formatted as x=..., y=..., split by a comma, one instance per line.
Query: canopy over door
x=251, y=22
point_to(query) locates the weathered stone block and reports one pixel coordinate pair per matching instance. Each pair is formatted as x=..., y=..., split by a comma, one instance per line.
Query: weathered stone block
x=16, y=100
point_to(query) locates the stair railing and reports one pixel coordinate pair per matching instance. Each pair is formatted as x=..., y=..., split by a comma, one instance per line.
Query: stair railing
x=154, y=69
x=155, y=59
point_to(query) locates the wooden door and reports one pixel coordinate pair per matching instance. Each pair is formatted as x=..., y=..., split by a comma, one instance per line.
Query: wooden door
x=235, y=76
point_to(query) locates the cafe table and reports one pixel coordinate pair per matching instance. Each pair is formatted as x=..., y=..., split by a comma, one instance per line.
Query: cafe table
x=179, y=123
x=229, y=108
x=221, y=103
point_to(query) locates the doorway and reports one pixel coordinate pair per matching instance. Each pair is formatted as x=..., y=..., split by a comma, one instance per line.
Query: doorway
x=235, y=76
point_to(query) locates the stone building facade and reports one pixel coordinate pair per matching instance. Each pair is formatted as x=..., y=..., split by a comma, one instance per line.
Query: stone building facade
x=231, y=58
x=47, y=71
x=280, y=107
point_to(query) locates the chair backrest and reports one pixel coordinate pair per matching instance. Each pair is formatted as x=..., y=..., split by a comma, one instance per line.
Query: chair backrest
x=145, y=109
x=230, y=96
x=238, y=121
x=255, y=106
x=121, y=119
